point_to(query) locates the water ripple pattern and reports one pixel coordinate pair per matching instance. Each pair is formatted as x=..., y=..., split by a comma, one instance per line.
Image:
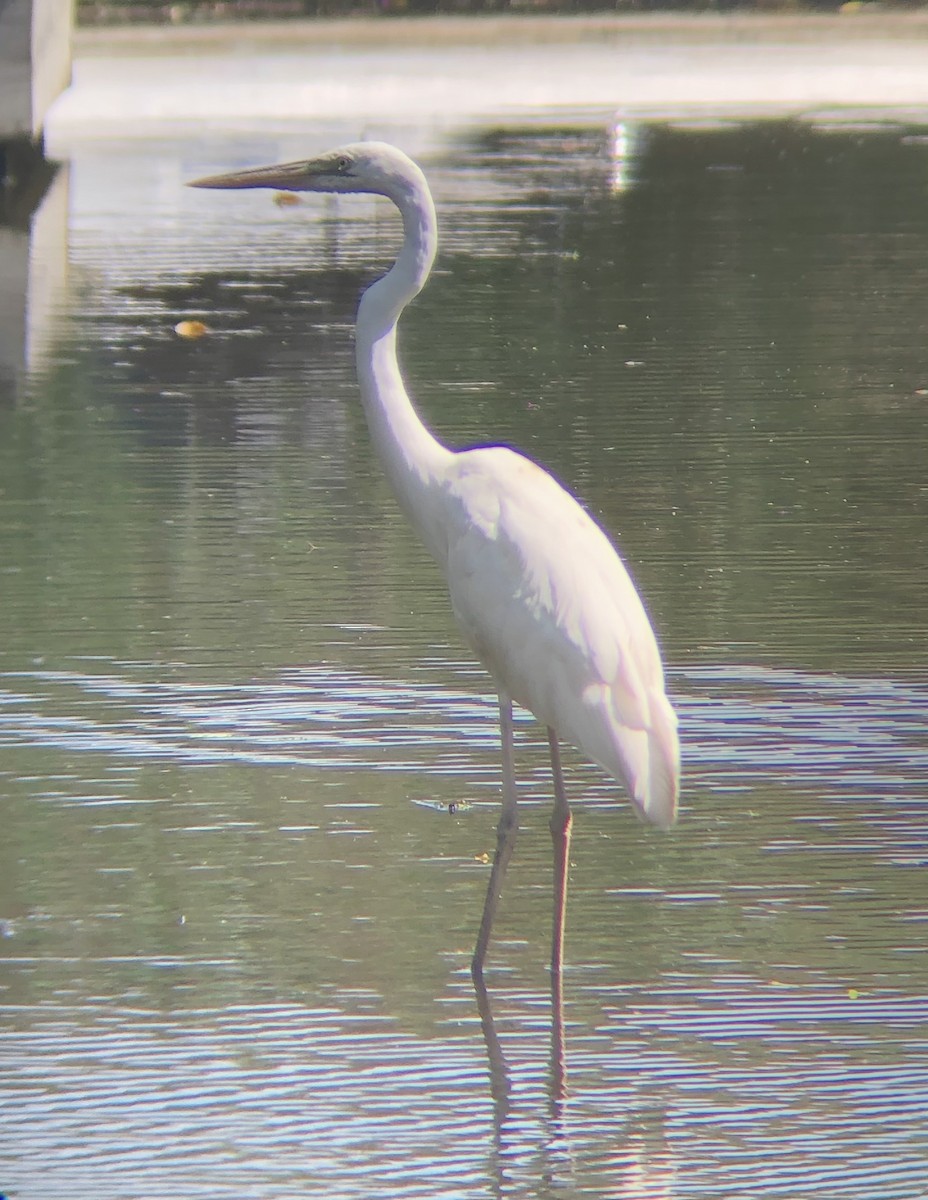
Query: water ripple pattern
x=757, y=1096
x=857, y=737
x=316, y=717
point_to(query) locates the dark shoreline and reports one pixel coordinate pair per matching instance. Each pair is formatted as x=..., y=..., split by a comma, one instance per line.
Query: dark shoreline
x=512, y=29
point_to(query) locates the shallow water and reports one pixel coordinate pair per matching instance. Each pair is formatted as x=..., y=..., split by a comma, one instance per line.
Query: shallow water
x=250, y=773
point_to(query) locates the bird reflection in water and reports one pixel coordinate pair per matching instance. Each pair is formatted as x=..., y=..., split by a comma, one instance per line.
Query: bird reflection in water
x=634, y=1160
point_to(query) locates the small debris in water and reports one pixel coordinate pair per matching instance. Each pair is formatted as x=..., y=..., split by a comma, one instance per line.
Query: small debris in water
x=445, y=806
x=191, y=329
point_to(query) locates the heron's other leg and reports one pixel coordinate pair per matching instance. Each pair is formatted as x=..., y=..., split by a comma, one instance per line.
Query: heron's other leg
x=561, y=821
x=505, y=838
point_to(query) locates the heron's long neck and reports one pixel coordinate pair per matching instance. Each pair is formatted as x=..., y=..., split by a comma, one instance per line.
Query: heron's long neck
x=413, y=459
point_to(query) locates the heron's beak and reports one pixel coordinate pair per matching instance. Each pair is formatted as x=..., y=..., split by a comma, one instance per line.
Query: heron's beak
x=285, y=177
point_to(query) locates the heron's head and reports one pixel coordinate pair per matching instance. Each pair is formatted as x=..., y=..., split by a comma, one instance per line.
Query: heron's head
x=360, y=167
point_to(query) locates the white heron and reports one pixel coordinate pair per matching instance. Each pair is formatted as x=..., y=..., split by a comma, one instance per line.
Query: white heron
x=540, y=593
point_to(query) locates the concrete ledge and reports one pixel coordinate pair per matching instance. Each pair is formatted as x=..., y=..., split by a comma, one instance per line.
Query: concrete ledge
x=366, y=76
x=35, y=62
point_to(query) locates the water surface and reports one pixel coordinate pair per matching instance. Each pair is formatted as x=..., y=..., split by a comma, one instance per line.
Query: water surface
x=249, y=772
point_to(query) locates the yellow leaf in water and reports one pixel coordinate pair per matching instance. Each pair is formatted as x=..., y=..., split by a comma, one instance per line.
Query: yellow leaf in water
x=484, y=858
x=191, y=329
x=286, y=199
x=853, y=994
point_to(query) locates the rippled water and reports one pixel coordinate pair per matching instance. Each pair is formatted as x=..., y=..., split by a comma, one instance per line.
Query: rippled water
x=250, y=775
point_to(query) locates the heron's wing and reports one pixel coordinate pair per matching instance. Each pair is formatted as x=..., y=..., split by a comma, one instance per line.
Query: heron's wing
x=547, y=603
x=528, y=560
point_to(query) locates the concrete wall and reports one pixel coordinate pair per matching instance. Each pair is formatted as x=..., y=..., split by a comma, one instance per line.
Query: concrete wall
x=35, y=62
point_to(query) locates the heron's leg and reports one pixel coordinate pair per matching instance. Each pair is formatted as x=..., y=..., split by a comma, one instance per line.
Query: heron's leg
x=505, y=838
x=560, y=836
x=561, y=821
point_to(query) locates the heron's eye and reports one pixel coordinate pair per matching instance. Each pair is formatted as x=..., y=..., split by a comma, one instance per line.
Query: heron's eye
x=343, y=164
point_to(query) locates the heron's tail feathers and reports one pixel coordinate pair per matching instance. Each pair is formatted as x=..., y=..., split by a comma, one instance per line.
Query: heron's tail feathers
x=658, y=800
x=645, y=756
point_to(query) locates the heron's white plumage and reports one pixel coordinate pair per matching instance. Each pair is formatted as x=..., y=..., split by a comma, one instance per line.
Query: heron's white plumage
x=546, y=603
